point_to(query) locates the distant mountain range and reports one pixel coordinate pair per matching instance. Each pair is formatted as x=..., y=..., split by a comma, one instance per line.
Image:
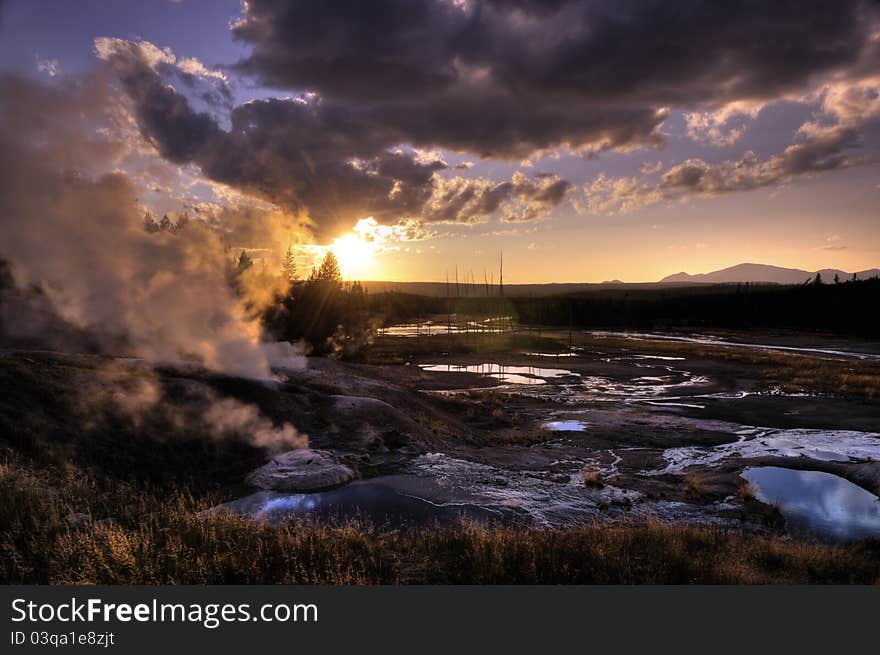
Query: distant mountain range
x=738, y=273
x=766, y=273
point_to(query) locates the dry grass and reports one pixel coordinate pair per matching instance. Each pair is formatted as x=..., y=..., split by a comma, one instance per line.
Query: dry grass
x=696, y=486
x=164, y=540
x=592, y=477
x=746, y=490
x=808, y=375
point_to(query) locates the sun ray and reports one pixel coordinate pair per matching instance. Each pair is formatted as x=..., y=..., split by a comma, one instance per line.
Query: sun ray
x=356, y=256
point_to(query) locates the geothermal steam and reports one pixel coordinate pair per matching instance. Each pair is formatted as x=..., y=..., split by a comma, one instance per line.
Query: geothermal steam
x=74, y=227
x=195, y=407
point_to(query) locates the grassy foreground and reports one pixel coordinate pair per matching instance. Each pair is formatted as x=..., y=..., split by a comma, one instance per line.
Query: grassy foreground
x=155, y=539
x=91, y=494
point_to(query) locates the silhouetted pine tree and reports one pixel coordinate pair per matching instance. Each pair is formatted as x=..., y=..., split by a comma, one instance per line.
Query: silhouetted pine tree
x=288, y=266
x=329, y=269
x=180, y=223
x=244, y=262
x=150, y=223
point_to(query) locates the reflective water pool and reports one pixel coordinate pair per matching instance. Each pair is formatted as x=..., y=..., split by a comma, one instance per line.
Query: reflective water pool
x=509, y=374
x=565, y=426
x=711, y=340
x=451, y=325
x=374, y=500
x=817, y=502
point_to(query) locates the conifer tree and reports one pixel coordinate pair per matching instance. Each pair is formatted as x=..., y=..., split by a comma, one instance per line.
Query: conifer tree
x=329, y=269
x=150, y=224
x=244, y=261
x=288, y=266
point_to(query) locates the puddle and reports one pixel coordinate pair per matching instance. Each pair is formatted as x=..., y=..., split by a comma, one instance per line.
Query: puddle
x=674, y=404
x=420, y=330
x=646, y=386
x=565, y=426
x=440, y=489
x=508, y=374
x=665, y=358
x=437, y=488
x=822, y=445
x=820, y=503
x=710, y=340
x=379, y=500
x=569, y=388
x=496, y=324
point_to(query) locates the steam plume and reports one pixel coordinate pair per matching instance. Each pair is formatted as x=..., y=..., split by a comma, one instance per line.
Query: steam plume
x=74, y=226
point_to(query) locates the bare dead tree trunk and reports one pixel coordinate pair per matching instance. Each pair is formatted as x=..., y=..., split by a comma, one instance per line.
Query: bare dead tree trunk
x=501, y=276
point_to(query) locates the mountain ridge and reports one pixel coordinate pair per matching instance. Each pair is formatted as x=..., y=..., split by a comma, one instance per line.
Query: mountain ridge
x=750, y=272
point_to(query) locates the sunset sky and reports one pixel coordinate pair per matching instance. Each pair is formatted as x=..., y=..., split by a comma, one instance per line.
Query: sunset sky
x=588, y=140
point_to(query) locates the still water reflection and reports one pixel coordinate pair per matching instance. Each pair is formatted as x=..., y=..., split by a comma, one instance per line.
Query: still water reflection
x=820, y=503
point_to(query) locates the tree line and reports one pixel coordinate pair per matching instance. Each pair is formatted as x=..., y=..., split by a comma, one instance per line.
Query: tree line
x=848, y=308
x=329, y=314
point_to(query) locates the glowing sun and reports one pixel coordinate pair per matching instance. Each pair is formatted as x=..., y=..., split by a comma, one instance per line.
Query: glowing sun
x=355, y=256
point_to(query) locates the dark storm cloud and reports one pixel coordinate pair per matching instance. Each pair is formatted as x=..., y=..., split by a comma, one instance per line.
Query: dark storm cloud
x=507, y=78
x=180, y=134
x=495, y=80
x=329, y=160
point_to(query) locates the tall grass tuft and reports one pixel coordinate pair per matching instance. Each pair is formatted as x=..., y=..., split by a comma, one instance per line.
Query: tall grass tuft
x=76, y=530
